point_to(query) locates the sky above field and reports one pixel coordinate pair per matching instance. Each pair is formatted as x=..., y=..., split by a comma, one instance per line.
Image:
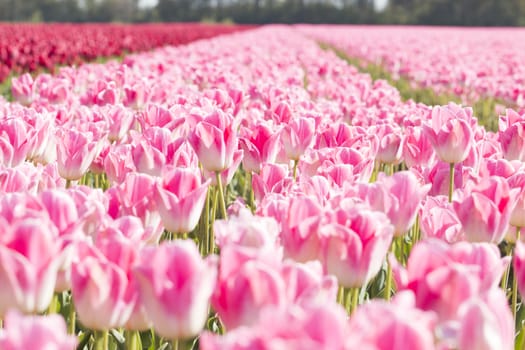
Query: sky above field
x=379, y=4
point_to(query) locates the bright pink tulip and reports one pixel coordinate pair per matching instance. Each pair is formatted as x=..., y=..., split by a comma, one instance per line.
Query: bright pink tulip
x=485, y=210
x=450, y=132
x=297, y=136
x=356, y=246
x=214, y=139
x=180, y=199
x=35, y=332
x=176, y=285
x=398, y=325
x=75, y=153
x=486, y=323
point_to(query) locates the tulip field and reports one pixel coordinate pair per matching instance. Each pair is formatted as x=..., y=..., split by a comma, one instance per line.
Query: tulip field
x=254, y=190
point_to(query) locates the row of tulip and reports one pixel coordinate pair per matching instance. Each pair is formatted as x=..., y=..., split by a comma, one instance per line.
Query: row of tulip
x=472, y=63
x=33, y=47
x=229, y=194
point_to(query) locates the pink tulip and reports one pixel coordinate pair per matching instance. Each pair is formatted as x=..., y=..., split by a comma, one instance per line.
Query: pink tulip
x=309, y=327
x=214, y=139
x=356, y=245
x=264, y=182
x=486, y=323
x=485, y=210
x=259, y=147
x=35, y=332
x=30, y=256
x=519, y=266
x=300, y=230
x=398, y=196
x=15, y=143
x=75, y=153
x=439, y=220
x=517, y=217
x=101, y=288
x=391, y=142
x=148, y=159
x=175, y=286
x=443, y=277
x=22, y=88
x=450, y=132
x=512, y=135
x=392, y=326
x=417, y=149
x=297, y=136
x=180, y=199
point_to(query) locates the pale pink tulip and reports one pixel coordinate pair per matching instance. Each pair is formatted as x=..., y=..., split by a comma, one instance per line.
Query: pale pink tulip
x=214, y=139
x=175, y=286
x=450, y=132
x=180, y=199
x=75, y=153
x=297, y=136
x=485, y=209
x=356, y=245
x=35, y=332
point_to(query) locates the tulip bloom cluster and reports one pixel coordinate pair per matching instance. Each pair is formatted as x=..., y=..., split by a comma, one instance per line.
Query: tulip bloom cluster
x=32, y=47
x=229, y=194
x=470, y=63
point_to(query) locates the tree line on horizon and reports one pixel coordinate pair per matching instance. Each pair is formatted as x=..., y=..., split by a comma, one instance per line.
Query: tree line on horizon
x=417, y=12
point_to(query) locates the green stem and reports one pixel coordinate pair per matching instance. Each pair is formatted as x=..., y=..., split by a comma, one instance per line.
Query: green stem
x=388, y=284
x=295, y=164
x=352, y=300
x=71, y=326
x=133, y=341
x=515, y=283
x=222, y=201
x=451, y=183
x=54, y=305
x=341, y=295
x=373, y=177
x=101, y=340
x=206, y=233
x=68, y=183
x=175, y=344
x=251, y=196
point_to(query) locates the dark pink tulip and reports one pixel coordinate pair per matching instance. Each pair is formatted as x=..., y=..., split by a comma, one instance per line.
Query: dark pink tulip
x=485, y=209
x=297, y=136
x=35, y=332
x=175, y=286
x=398, y=325
x=75, y=153
x=450, y=132
x=356, y=245
x=180, y=199
x=214, y=139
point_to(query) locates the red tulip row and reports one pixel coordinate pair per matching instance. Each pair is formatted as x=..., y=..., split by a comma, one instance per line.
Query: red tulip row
x=253, y=191
x=32, y=47
x=471, y=63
